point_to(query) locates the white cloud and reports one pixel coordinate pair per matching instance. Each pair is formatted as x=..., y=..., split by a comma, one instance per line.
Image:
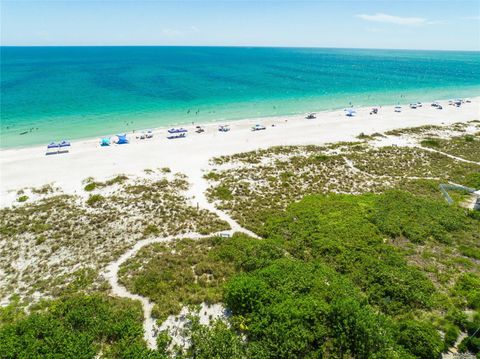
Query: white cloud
x=397, y=20
x=477, y=18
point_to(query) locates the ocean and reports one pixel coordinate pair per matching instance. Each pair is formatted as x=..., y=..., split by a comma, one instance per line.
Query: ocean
x=54, y=93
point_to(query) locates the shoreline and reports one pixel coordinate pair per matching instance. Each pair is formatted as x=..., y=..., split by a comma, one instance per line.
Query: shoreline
x=231, y=117
x=209, y=123
x=29, y=166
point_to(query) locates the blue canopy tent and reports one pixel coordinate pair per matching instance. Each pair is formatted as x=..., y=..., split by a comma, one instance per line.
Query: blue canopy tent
x=105, y=141
x=177, y=130
x=53, y=145
x=64, y=144
x=122, y=139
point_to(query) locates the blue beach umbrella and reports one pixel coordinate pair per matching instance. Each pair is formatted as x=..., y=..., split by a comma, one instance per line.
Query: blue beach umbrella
x=122, y=139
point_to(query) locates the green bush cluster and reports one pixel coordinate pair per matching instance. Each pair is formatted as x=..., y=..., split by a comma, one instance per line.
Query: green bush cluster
x=418, y=219
x=325, y=281
x=76, y=327
x=293, y=309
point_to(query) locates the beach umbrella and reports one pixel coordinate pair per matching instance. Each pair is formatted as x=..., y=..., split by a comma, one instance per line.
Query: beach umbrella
x=350, y=111
x=122, y=139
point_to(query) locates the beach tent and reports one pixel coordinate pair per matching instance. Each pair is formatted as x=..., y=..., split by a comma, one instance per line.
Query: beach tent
x=177, y=130
x=53, y=145
x=350, y=112
x=105, y=141
x=64, y=144
x=122, y=139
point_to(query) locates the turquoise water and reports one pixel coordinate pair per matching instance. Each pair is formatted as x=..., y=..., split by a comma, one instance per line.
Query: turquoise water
x=52, y=93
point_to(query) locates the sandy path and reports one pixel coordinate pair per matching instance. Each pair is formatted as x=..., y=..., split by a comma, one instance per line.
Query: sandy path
x=448, y=155
x=197, y=191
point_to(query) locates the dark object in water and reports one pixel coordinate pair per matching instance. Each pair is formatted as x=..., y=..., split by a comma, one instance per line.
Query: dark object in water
x=24, y=132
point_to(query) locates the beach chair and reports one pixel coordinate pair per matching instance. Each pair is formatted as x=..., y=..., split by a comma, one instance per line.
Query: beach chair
x=52, y=148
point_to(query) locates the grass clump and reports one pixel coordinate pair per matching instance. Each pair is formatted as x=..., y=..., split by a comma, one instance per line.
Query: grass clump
x=212, y=176
x=45, y=189
x=95, y=199
x=151, y=229
x=222, y=193
x=430, y=142
x=90, y=186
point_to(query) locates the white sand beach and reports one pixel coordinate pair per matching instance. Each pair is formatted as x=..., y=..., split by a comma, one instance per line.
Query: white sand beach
x=30, y=167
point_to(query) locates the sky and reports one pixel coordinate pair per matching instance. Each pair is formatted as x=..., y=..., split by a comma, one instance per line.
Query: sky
x=400, y=24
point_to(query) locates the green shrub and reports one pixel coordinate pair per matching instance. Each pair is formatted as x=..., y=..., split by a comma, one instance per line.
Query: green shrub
x=470, y=251
x=356, y=329
x=293, y=308
x=214, y=341
x=472, y=342
x=467, y=287
x=451, y=335
x=90, y=186
x=95, y=199
x=116, y=180
x=473, y=180
x=23, y=198
x=222, y=193
x=418, y=219
x=430, y=142
x=337, y=229
x=213, y=176
x=75, y=326
x=420, y=338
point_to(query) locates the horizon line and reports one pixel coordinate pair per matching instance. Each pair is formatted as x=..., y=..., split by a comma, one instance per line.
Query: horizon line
x=255, y=46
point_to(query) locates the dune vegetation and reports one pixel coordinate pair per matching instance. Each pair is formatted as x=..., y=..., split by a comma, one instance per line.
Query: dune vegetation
x=55, y=240
x=359, y=256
